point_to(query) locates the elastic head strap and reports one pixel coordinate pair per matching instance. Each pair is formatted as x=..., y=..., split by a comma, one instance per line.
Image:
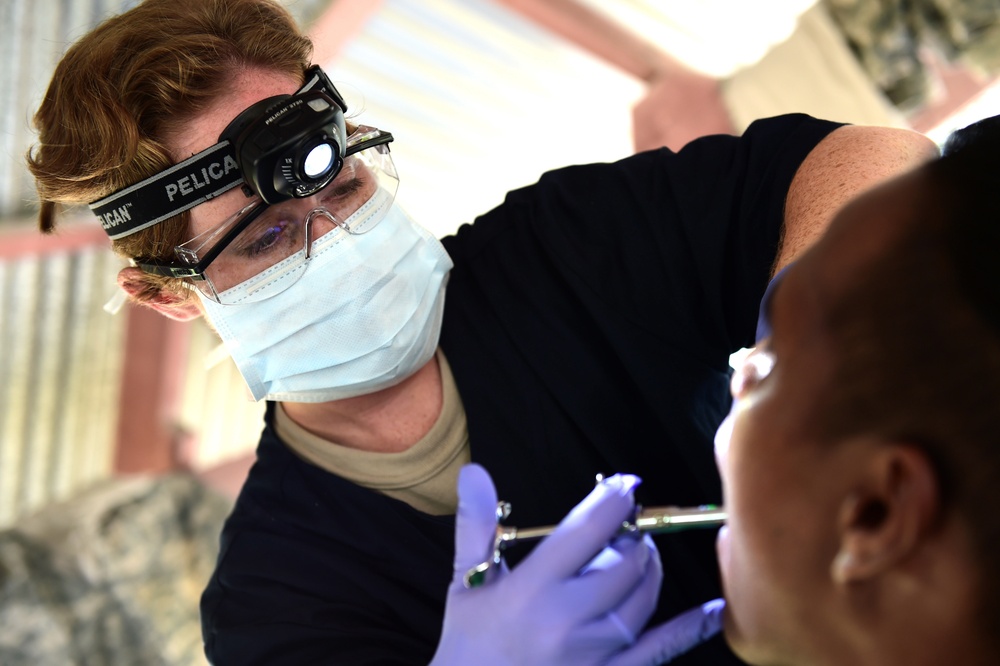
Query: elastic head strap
x=197, y=179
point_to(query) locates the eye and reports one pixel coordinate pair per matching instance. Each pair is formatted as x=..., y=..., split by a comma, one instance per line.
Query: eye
x=754, y=369
x=270, y=235
x=268, y=238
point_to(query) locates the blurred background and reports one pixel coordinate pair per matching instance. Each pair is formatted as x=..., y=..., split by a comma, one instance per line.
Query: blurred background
x=123, y=437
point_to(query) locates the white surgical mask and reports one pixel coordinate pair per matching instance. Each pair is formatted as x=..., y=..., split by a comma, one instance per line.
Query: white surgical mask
x=364, y=316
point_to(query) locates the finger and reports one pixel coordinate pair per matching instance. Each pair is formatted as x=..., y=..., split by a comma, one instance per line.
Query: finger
x=668, y=641
x=609, y=579
x=475, y=520
x=586, y=530
x=617, y=627
x=635, y=609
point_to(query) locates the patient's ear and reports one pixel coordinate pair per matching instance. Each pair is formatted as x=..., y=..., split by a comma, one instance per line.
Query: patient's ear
x=886, y=517
x=176, y=307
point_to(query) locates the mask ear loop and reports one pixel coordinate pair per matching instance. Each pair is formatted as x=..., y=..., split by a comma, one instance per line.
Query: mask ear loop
x=116, y=302
x=216, y=355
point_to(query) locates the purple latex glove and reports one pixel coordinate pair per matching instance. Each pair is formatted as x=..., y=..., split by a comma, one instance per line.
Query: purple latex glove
x=580, y=598
x=675, y=637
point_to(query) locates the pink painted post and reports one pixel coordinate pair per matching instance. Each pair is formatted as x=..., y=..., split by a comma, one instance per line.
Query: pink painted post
x=681, y=104
x=335, y=27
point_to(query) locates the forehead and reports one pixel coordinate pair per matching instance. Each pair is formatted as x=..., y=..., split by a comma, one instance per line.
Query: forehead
x=247, y=87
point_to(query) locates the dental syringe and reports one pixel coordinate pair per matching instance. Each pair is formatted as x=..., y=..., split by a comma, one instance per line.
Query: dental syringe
x=653, y=520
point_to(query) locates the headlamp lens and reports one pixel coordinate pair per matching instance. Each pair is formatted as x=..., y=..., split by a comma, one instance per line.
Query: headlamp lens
x=318, y=162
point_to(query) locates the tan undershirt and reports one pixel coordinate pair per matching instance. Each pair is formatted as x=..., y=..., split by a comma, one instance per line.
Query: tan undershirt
x=423, y=476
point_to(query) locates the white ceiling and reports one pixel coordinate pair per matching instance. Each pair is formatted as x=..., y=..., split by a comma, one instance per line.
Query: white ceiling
x=716, y=37
x=480, y=101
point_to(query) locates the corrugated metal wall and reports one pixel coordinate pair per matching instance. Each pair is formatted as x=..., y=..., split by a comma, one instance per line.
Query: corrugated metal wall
x=215, y=411
x=60, y=352
x=35, y=34
x=59, y=365
x=481, y=101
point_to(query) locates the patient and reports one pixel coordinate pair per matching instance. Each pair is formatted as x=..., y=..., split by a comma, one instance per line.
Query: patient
x=861, y=458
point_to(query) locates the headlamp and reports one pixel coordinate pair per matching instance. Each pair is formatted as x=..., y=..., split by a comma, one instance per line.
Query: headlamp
x=283, y=147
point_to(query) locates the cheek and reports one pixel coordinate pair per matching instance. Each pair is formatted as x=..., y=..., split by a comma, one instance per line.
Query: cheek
x=744, y=455
x=756, y=594
x=722, y=437
x=768, y=550
x=749, y=546
x=722, y=551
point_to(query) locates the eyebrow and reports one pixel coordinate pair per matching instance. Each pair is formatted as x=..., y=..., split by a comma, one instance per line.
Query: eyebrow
x=764, y=314
x=345, y=187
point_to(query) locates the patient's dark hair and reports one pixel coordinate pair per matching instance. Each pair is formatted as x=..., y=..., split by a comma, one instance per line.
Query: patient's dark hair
x=917, y=340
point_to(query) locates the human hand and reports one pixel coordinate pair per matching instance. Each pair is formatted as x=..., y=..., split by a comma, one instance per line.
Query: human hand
x=580, y=598
x=673, y=638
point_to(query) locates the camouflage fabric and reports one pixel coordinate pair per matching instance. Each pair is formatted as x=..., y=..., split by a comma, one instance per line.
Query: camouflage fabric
x=112, y=577
x=888, y=37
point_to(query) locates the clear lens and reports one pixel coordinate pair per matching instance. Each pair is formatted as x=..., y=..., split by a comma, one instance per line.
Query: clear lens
x=270, y=253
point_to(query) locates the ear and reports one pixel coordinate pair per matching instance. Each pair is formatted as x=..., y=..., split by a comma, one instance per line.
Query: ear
x=178, y=308
x=886, y=517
